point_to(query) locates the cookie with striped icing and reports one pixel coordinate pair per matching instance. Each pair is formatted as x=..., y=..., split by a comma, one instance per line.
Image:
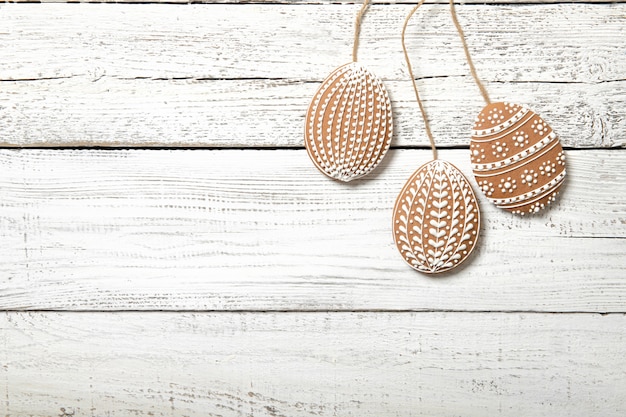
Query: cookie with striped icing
x=517, y=159
x=349, y=123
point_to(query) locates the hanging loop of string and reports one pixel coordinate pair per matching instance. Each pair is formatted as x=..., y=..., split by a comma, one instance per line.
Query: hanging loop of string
x=417, y=95
x=357, y=28
x=459, y=29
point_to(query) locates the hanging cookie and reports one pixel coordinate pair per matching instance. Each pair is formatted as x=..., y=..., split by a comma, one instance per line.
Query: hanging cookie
x=349, y=123
x=349, y=126
x=436, y=218
x=517, y=159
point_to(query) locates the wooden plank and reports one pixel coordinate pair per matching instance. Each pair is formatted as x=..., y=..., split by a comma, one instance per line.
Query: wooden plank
x=270, y=113
x=523, y=43
x=303, y=2
x=102, y=95
x=442, y=364
x=248, y=230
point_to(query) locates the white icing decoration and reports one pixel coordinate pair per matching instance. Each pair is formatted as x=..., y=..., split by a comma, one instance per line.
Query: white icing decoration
x=436, y=218
x=349, y=123
x=524, y=159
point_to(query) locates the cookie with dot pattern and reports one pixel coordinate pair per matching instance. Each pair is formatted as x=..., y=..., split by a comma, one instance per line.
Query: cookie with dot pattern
x=517, y=159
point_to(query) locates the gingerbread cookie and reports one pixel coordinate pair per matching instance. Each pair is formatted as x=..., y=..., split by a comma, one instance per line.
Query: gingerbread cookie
x=436, y=220
x=517, y=159
x=349, y=123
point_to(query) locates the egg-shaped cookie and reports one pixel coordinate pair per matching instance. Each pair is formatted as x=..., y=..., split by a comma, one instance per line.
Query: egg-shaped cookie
x=517, y=159
x=436, y=218
x=349, y=124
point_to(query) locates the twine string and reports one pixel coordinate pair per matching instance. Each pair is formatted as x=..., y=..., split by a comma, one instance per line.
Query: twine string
x=357, y=28
x=417, y=95
x=459, y=29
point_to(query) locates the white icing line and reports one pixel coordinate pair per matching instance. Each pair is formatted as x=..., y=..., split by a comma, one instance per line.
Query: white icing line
x=506, y=131
x=334, y=169
x=539, y=197
x=312, y=136
x=535, y=157
x=341, y=118
x=377, y=138
x=545, y=141
x=531, y=194
x=497, y=129
x=357, y=148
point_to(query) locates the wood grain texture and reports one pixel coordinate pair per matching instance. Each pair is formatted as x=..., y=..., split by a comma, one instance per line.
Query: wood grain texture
x=270, y=113
x=509, y=43
x=231, y=75
x=299, y=364
x=257, y=230
x=264, y=230
x=307, y=2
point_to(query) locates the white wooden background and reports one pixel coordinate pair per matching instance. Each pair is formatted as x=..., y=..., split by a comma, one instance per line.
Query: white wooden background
x=168, y=249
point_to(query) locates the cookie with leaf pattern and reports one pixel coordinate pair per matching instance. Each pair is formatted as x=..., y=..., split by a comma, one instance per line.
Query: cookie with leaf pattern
x=436, y=218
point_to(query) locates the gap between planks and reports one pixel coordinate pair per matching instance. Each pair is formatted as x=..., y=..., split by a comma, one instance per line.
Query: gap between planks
x=112, y=148
x=121, y=114
x=374, y=365
x=320, y=2
x=314, y=311
x=224, y=230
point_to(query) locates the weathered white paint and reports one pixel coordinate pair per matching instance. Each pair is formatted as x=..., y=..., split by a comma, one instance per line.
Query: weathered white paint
x=102, y=74
x=509, y=43
x=264, y=230
x=270, y=113
x=322, y=364
x=374, y=3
